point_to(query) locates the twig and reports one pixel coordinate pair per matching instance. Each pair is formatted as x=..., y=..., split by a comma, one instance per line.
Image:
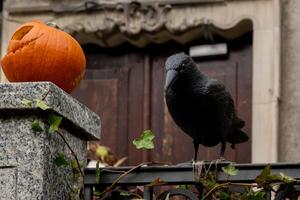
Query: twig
x=123, y=175
x=73, y=153
x=159, y=163
x=224, y=185
x=214, y=197
x=120, y=161
x=213, y=189
x=243, y=184
x=122, y=171
x=136, y=195
x=44, y=97
x=113, y=171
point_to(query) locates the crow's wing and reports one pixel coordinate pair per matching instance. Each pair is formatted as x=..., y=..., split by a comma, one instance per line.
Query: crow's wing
x=222, y=98
x=218, y=94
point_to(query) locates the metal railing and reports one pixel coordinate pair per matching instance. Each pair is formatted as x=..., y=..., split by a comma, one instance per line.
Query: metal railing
x=184, y=175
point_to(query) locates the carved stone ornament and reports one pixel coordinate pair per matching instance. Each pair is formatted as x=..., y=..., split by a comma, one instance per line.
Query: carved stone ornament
x=110, y=23
x=130, y=19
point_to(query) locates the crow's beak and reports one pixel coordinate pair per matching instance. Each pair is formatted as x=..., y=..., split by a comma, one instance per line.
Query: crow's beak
x=172, y=75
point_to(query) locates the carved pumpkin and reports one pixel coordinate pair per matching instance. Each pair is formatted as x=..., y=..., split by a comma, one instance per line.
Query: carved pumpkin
x=37, y=52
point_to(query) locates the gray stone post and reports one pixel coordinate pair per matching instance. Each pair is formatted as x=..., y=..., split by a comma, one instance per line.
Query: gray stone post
x=289, y=122
x=27, y=168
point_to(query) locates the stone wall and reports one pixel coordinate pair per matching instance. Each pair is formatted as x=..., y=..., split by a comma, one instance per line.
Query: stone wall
x=289, y=136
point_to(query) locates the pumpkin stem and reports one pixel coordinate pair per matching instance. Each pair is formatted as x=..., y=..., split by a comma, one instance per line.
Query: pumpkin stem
x=53, y=24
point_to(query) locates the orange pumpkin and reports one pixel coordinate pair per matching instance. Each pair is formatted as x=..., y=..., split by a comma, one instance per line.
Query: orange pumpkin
x=37, y=52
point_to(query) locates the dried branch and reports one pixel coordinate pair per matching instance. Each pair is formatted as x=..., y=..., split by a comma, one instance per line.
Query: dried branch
x=73, y=153
x=108, y=189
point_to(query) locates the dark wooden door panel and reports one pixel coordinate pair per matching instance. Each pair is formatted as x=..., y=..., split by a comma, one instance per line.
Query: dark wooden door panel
x=100, y=91
x=163, y=142
x=243, y=54
x=113, y=88
x=101, y=96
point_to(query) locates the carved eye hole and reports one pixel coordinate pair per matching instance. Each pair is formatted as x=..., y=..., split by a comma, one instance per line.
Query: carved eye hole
x=21, y=33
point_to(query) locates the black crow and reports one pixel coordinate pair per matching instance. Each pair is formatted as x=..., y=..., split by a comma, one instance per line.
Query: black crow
x=201, y=106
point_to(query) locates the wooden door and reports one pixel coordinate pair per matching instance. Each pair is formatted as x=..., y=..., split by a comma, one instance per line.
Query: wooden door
x=113, y=88
x=124, y=86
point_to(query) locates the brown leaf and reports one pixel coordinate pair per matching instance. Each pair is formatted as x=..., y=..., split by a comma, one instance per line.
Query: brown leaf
x=120, y=161
x=156, y=182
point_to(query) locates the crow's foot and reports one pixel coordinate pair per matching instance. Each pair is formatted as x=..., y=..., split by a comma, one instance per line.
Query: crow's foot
x=221, y=160
x=190, y=163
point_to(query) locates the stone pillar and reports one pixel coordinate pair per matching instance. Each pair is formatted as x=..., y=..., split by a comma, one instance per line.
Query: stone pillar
x=289, y=123
x=27, y=168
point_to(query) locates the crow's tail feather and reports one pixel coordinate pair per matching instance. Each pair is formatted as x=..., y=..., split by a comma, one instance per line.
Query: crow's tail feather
x=238, y=123
x=237, y=137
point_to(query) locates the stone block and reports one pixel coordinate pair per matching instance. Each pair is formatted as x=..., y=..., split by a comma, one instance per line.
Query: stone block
x=27, y=170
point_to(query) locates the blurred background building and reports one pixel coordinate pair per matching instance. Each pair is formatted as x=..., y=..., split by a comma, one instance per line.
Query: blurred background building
x=250, y=45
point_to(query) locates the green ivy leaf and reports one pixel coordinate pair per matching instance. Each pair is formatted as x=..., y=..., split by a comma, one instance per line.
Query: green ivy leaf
x=283, y=178
x=54, y=122
x=101, y=152
x=230, y=170
x=36, y=127
x=60, y=160
x=97, y=193
x=76, y=170
x=266, y=171
x=259, y=195
x=145, y=141
x=265, y=178
x=184, y=187
x=97, y=172
x=210, y=181
x=224, y=196
x=42, y=105
x=27, y=103
x=254, y=195
x=124, y=194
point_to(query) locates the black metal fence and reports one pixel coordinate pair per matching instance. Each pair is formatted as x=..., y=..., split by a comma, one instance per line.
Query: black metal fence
x=184, y=175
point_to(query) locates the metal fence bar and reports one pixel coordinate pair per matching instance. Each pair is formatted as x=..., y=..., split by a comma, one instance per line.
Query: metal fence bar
x=174, y=175
x=180, y=175
x=268, y=195
x=148, y=193
x=88, y=192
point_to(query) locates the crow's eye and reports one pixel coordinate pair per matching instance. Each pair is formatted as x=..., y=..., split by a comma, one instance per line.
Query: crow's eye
x=184, y=63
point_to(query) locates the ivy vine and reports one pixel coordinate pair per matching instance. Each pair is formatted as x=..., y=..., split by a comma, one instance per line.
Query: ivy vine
x=212, y=189
x=61, y=160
